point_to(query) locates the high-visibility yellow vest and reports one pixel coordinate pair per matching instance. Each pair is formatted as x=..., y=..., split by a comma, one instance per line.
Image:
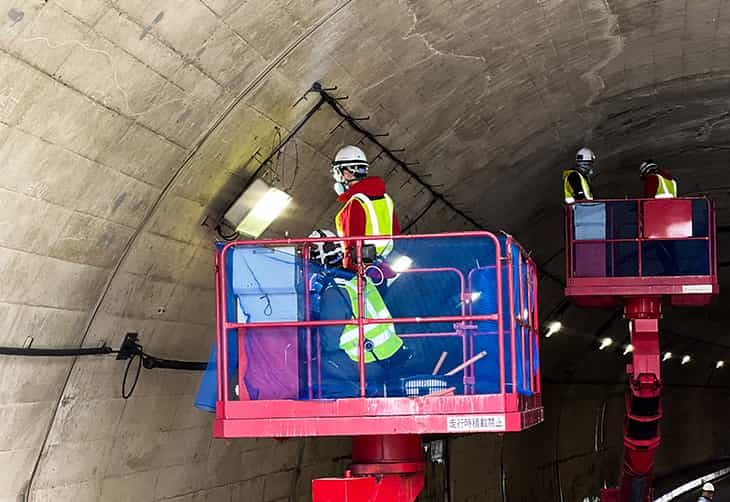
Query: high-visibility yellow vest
x=569, y=195
x=666, y=188
x=378, y=220
x=380, y=339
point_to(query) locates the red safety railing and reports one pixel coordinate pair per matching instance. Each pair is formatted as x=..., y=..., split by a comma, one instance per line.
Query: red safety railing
x=510, y=261
x=638, y=206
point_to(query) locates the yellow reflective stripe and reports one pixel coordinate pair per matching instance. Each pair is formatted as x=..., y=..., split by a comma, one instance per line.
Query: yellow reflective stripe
x=352, y=293
x=373, y=311
x=380, y=339
x=351, y=333
x=373, y=225
x=376, y=340
x=666, y=189
x=338, y=220
x=372, y=215
x=388, y=246
x=389, y=203
x=568, y=190
x=383, y=337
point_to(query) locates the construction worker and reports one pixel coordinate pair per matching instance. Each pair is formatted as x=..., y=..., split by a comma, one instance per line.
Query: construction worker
x=658, y=184
x=708, y=491
x=367, y=210
x=576, y=181
x=334, y=297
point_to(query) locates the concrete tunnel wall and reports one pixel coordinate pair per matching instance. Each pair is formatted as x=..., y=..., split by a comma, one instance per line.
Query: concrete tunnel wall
x=124, y=122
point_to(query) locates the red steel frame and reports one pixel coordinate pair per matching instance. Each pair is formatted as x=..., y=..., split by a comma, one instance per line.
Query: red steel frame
x=603, y=291
x=505, y=411
x=642, y=298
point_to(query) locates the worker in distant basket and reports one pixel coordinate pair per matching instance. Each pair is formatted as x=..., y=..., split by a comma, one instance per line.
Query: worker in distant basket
x=708, y=491
x=658, y=184
x=367, y=210
x=334, y=294
x=576, y=181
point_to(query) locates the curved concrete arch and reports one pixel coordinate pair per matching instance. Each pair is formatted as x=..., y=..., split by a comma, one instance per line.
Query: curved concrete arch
x=124, y=122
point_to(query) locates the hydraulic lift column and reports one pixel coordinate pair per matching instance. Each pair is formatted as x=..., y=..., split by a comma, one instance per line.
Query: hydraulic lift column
x=643, y=403
x=384, y=469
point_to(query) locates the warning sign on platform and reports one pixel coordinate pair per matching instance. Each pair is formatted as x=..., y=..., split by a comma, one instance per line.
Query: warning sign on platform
x=475, y=423
x=697, y=288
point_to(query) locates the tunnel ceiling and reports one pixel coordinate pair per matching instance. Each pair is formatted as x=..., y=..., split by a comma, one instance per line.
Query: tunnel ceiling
x=125, y=123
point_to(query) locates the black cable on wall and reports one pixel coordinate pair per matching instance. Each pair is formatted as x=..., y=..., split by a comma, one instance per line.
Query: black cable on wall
x=130, y=350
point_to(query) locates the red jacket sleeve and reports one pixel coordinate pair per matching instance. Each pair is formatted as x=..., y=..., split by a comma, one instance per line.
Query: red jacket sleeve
x=353, y=224
x=396, y=225
x=651, y=183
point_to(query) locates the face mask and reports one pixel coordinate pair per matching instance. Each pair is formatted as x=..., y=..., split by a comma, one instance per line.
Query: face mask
x=340, y=188
x=586, y=170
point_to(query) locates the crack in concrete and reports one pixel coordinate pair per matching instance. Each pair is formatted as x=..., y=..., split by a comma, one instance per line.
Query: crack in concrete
x=413, y=32
x=125, y=95
x=719, y=121
x=612, y=35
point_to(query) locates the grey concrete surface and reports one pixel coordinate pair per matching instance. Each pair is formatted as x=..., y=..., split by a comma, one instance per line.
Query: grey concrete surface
x=124, y=122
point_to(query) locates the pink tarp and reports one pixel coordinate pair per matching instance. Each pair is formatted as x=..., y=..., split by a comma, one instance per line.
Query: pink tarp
x=272, y=355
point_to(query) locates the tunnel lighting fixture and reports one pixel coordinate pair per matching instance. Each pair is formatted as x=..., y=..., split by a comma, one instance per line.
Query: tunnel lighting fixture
x=257, y=208
x=667, y=356
x=401, y=264
x=686, y=359
x=628, y=349
x=553, y=328
x=605, y=343
x=475, y=295
x=720, y=364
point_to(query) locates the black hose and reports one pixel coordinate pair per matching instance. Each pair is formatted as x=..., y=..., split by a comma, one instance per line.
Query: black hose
x=127, y=394
x=151, y=362
x=130, y=350
x=20, y=351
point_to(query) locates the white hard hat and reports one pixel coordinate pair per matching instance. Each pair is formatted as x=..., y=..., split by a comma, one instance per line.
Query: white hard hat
x=585, y=155
x=325, y=253
x=584, y=159
x=647, y=166
x=708, y=487
x=351, y=158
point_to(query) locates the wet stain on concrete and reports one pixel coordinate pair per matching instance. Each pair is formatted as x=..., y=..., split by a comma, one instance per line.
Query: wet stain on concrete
x=118, y=201
x=148, y=28
x=16, y=15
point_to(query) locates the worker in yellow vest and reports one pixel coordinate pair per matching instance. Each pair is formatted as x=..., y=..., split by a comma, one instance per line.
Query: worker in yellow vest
x=334, y=296
x=576, y=181
x=367, y=209
x=658, y=184
x=381, y=341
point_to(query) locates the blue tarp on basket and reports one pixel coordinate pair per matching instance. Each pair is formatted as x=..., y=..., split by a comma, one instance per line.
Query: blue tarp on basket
x=262, y=287
x=277, y=361
x=438, y=294
x=208, y=389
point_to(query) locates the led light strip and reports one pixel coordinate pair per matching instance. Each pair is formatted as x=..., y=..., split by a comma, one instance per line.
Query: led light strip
x=692, y=485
